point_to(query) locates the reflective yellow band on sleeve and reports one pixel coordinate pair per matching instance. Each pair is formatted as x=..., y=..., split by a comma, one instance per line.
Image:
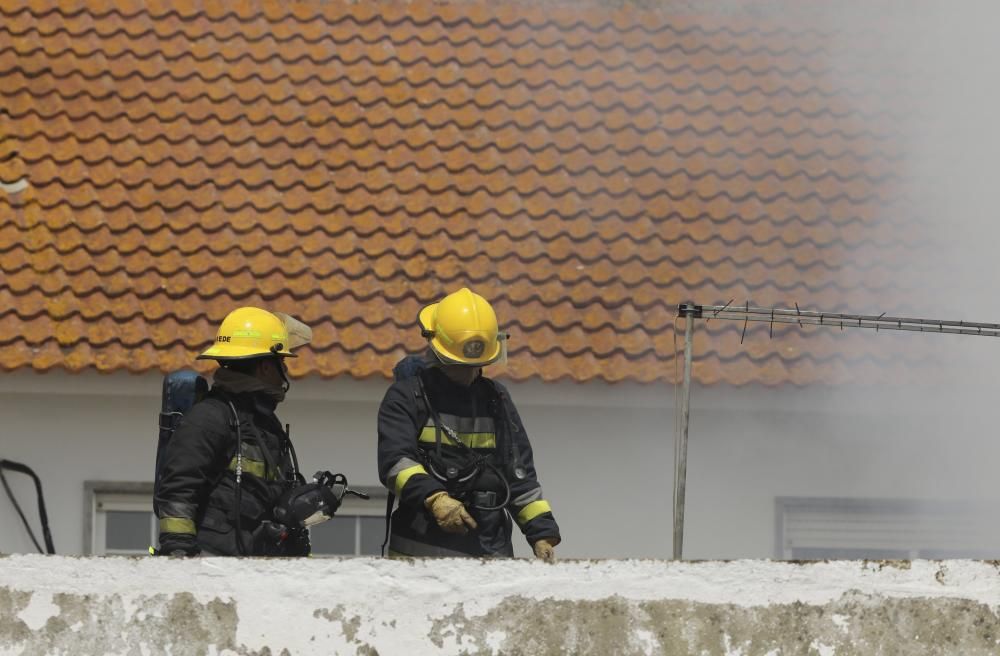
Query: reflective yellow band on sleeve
x=403, y=476
x=532, y=510
x=177, y=525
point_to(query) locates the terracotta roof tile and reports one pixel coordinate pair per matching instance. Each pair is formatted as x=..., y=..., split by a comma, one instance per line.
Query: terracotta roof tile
x=586, y=169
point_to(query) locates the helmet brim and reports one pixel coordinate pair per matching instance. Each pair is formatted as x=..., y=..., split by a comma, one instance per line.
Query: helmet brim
x=426, y=318
x=447, y=358
x=230, y=352
x=440, y=350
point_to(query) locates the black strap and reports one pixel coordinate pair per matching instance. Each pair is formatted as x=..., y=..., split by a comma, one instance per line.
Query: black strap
x=269, y=465
x=268, y=460
x=286, y=446
x=477, y=461
x=505, y=418
x=296, y=472
x=238, y=505
x=389, y=501
x=438, y=424
x=42, y=515
x=432, y=413
x=230, y=402
x=255, y=435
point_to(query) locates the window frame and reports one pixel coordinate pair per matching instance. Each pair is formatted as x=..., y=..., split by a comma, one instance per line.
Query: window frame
x=357, y=508
x=136, y=495
x=919, y=512
x=100, y=497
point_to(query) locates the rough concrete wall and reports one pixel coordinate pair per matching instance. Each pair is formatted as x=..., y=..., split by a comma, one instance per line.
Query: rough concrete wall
x=59, y=605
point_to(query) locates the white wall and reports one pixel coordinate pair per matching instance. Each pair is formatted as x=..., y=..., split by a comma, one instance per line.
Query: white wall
x=369, y=606
x=604, y=452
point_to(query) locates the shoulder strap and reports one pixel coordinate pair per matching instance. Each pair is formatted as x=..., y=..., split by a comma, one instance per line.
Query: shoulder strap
x=296, y=473
x=433, y=413
x=230, y=401
x=416, y=389
x=238, y=506
x=415, y=386
x=505, y=418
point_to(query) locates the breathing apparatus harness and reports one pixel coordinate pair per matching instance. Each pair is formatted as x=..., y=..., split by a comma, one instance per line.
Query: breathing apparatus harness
x=302, y=504
x=274, y=533
x=412, y=368
x=461, y=479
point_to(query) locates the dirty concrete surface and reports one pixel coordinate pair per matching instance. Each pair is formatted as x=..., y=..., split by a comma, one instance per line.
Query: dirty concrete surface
x=364, y=606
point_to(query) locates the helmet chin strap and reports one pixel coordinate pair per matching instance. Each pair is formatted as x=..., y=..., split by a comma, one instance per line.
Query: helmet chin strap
x=285, y=383
x=279, y=363
x=462, y=374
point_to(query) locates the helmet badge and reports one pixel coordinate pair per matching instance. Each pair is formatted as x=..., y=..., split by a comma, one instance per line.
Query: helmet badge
x=473, y=348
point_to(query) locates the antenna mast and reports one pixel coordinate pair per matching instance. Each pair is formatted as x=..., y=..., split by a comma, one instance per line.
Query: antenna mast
x=771, y=315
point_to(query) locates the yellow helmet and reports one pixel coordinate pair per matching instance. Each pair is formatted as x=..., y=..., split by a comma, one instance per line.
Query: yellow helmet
x=250, y=332
x=462, y=329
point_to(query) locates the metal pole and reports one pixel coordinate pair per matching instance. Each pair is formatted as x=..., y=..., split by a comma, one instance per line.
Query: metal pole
x=680, y=454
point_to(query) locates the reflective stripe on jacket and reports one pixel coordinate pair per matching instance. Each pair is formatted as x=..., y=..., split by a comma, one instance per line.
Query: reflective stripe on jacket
x=197, y=491
x=408, y=447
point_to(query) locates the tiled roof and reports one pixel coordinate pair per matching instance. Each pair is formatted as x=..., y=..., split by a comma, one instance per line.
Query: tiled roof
x=585, y=168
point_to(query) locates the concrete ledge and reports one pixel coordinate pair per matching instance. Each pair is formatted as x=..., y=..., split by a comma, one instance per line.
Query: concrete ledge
x=60, y=605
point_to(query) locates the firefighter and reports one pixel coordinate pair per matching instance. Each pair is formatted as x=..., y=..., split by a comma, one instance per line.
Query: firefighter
x=230, y=459
x=452, y=448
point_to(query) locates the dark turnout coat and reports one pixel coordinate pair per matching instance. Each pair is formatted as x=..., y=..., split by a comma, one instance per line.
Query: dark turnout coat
x=197, y=489
x=421, y=421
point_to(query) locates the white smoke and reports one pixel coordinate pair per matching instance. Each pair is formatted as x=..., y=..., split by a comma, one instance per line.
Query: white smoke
x=926, y=432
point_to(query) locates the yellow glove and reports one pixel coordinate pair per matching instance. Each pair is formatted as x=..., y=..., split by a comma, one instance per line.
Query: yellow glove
x=449, y=513
x=546, y=549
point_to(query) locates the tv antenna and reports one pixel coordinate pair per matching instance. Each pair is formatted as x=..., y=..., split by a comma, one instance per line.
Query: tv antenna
x=747, y=313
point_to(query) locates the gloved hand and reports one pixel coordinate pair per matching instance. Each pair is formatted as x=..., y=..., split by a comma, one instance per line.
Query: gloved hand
x=297, y=543
x=178, y=544
x=269, y=538
x=450, y=514
x=545, y=548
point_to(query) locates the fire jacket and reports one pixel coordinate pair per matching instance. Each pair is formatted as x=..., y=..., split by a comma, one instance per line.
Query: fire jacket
x=197, y=491
x=416, y=455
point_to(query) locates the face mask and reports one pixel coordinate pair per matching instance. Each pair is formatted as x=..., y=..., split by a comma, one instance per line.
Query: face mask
x=299, y=334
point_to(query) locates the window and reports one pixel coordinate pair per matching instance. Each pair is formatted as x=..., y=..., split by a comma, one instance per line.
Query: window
x=120, y=518
x=817, y=528
x=358, y=529
x=121, y=521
